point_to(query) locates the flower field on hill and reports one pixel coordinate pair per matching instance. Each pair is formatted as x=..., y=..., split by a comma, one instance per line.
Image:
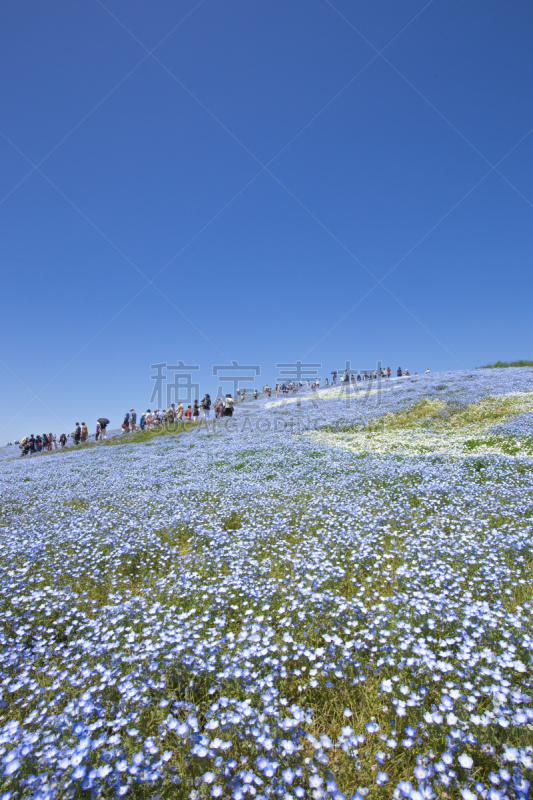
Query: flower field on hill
x=330, y=598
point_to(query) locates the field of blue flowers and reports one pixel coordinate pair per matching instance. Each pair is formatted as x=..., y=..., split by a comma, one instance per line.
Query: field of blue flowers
x=314, y=599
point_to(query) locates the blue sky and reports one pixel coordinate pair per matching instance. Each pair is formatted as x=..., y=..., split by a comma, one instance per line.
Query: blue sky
x=258, y=181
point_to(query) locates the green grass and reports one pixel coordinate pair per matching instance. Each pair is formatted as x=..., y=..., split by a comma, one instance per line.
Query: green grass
x=500, y=364
x=153, y=433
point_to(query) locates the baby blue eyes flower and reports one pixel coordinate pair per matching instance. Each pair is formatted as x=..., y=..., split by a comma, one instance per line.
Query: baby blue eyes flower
x=420, y=773
x=208, y=777
x=511, y=754
x=315, y=781
x=381, y=778
x=288, y=775
x=406, y=787
x=465, y=761
x=424, y=622
x=12, y=767
x=78, y=773
x=288, y=747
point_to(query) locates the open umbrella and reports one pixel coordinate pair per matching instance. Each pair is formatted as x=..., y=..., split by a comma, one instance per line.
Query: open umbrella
x=103, y=421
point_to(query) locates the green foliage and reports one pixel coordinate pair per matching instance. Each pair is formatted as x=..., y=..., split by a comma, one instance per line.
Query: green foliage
x=232, y=522
x=501, y=364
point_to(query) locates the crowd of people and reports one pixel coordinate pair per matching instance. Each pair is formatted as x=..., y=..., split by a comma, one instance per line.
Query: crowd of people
x=49, y=441
x=193, y=413
x=345, y=377
x=177, y=413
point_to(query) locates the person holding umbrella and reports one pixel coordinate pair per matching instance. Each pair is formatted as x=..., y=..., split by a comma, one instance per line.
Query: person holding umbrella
x=103, y=422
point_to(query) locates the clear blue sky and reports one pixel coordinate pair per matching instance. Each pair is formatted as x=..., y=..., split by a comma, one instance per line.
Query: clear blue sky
x=299, y=179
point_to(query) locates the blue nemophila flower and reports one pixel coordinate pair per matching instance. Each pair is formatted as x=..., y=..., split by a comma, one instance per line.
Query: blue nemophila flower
x=138, y=602
x=11, y=767
x=288, y=775
x=465, y=761
x=381, y=778
x=288, y=746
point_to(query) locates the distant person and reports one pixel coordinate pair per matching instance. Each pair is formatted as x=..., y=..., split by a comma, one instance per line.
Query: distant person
x=133, y=420
x=255, y=394
x=195, y=411
x=179, y=411
x=427, y=371
x=407, y=373
x=388, y=372
x=97, y=432
x=142, y=422
x=228, y=406
x=399, y=372
x=188, y=413
x=126, y=422
x=63, y=439
x=148, y=418
x=84, y=432
x=77, y=433
x=206, y=406
x=45, y=441
x=103, y=422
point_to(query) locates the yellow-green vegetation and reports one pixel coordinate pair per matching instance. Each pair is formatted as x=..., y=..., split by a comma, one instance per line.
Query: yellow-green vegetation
x=501, y=364
x=438, y=426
